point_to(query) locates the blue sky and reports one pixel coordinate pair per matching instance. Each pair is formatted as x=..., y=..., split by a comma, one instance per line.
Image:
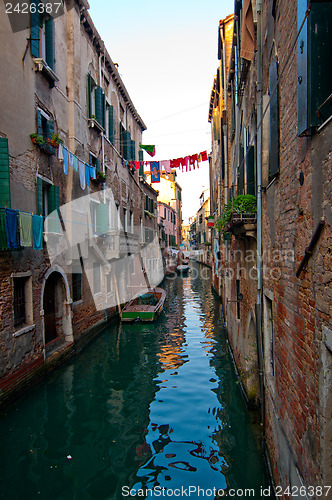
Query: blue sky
x=167, y=56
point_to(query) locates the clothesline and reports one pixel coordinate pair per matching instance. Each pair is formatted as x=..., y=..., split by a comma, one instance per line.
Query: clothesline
x=186, y=163
x=20, y=229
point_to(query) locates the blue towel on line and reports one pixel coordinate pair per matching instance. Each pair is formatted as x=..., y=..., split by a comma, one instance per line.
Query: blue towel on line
x=37, y=232
x=11, y=227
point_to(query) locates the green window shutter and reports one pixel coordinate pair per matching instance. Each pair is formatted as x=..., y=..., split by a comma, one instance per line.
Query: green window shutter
x=274, y=121
x=49, y=41
x=34, y=30
x=99, y=105
x=39, y=123
x=133, y=148
x=314, y=67
x=141, y=170
x=140, y=155
x=4, y=174
x=89, y=90
x=251, y=184
x=126, y=144
x=97, y=164
x=53, y=201
x=49, y=129
x=102, y=218
x=240, y=181
x=40, y=201
x=111, y=124
x=53, y=198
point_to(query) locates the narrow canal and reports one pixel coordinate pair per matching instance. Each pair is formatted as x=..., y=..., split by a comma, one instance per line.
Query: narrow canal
x=143, y=406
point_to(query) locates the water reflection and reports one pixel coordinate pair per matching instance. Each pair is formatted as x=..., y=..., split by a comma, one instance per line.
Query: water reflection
x=142, y=406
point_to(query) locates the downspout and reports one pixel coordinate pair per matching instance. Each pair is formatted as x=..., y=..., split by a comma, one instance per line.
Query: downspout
x=102, y=134
x=259, y=214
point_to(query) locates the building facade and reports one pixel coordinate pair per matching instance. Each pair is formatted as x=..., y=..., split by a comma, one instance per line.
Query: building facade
x=170, y=193
x=72, y=203
x=272, y=156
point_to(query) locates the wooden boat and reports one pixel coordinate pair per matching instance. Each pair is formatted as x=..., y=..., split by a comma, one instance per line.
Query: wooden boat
x=144, y=307
x=183, y=268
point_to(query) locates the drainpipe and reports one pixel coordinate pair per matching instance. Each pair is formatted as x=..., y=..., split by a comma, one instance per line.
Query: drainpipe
x=259, y=213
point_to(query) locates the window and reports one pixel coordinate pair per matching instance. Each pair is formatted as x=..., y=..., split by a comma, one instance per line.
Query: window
x=45, y=128
x=109, y=283
x=96, y=278
x=42, y=42
x=48, y=201
x=124, y=221
x=110, y=123
x=314, y=73
x=22, y=293
x=77, y=286
x=96, y=103
x=131, y=222
x=99, y=217
x=4, y=174
x=94, y=161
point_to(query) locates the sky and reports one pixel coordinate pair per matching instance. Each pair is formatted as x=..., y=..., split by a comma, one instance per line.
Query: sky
x=167, y=57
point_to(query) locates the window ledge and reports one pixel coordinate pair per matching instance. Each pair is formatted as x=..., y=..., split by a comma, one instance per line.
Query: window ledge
x=93, y=123
x=44, y=68
x=24, y=330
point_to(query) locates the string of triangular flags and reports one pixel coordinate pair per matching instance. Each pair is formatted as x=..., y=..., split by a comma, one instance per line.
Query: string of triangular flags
x=186, y=163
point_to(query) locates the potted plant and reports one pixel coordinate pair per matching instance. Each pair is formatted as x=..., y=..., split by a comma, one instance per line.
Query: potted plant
x=37, y=139
x=100, y=177
x=241, y=208
x=55, y=141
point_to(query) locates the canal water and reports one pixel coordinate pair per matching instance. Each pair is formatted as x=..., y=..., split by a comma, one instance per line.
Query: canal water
x=142, y=407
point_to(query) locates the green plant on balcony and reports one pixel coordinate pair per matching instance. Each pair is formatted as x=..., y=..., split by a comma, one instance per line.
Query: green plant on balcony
x=100, y=176
x=37, y=139
x=55, y=140
x=241, y=204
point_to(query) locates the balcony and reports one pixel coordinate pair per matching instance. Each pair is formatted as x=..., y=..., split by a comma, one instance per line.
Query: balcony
x=242, y=224
x=116, y=243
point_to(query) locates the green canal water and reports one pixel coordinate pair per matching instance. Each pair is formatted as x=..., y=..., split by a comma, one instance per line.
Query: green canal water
x=142, y=407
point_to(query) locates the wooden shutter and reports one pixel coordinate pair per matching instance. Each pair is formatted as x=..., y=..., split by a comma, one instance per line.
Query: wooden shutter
x=240, y=181
x=102, y=218
x=34, y=30
x=53, y=201
x=126, y=145
x=99, y=105
x=133, y=154
x=40, y=201
x=274, y=120
x=49, y=41
x=4, y=174
x=89, y=90
x=39, y=123
x=111, y=124
x=250, y=164
x=49, y=129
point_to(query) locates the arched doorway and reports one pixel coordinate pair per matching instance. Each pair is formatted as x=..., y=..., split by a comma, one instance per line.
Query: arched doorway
x=57, y=312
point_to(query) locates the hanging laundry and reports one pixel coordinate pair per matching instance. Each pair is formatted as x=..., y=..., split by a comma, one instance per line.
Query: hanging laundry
x=92, y=172
x=166, y=165
x=25, y=229
x=204, y=156
x=37, y=232
x=87, y=174
x=71, y=159
x=151, y=150
x=3, y=236
x=137, y=165
x=60, y=152
x=81, y=171
x=75, y=163
x=11, y=227
x=187, y=162
x=155, y=171
x=65, y=160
